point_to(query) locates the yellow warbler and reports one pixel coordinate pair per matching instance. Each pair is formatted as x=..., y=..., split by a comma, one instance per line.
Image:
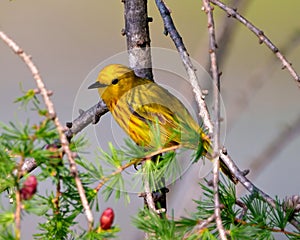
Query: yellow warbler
x=150, y=114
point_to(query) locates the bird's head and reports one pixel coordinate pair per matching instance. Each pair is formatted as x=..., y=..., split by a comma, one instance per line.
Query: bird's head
x=113, y=81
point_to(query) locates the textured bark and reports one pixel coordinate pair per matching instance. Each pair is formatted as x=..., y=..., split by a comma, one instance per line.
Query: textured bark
x=138, y=38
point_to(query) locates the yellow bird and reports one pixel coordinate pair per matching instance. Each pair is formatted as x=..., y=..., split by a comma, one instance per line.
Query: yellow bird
x=148, y=113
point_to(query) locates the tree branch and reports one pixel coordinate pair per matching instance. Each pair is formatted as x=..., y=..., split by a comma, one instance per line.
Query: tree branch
x=92, y=115
x=138, y=37
x=200, y=226
x=261, y=36
x=175, y=36
x=216, y=111
x=240, y=175
x=249, y=185
x=52, y=115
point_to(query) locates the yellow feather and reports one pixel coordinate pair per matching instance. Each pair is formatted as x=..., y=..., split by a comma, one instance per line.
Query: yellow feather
x=139, y=106
x=138, y=103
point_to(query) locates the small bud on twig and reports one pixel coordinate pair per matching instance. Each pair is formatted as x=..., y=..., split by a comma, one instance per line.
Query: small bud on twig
x=29, y=188
x=107, y=219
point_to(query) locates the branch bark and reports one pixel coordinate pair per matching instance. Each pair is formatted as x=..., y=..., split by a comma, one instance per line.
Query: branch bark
x=138, y=37
x=249, y=185
x=216, y=113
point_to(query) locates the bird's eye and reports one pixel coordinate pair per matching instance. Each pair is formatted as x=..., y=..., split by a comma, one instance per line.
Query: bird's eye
x=115, y=81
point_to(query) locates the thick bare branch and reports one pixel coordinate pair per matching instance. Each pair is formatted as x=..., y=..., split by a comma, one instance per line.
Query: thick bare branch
x=138, y=37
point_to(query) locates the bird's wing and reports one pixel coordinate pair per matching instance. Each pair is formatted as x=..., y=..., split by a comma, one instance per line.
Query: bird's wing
x=152, y=105
x=158, y=122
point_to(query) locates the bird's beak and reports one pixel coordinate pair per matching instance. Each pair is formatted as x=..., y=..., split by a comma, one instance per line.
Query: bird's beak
x=97, y=85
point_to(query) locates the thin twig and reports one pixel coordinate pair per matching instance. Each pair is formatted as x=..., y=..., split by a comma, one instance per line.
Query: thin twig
x=57, y=196
x=160, y=151
x=261, y=36
x=240, y=221
x=243, y=207
x=204, y=223
x=52, y=115
x=117, y=171
x=200, y=226
x=225, y=35
x=177, y=39
x=249, y=185
x=18, y=201
x=18, y=215
x=92, y=115
x=134, y=162
x=170, y=28
x=148, y=195
x=216, y=111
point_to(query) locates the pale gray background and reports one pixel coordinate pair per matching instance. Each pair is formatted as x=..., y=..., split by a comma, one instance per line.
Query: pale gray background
x=68, y=39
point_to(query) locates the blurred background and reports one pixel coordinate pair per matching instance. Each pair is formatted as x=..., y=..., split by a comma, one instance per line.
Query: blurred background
x=68, y=40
